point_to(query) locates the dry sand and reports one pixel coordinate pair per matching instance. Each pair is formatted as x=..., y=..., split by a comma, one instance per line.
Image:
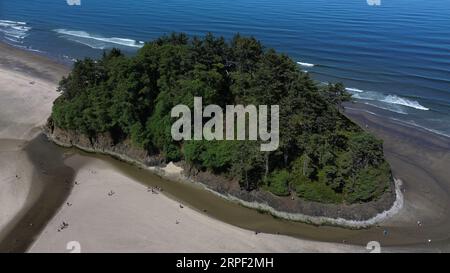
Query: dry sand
x=134, y=219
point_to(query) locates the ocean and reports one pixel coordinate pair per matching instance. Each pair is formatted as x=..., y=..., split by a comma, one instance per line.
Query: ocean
x=391, y=54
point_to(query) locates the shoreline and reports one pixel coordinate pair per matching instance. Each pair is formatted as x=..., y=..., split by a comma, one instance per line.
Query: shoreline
x=32, y=64
x=260, y=206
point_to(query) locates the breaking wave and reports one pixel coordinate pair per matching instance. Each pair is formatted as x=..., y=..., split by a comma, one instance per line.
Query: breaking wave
x=14, y=31
x=354, y=90
x=96, y=41
x=388, y=99
x=405, y=102
x=306, y=64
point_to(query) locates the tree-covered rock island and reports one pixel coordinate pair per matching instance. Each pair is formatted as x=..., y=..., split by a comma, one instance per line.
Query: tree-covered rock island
x=323, y=157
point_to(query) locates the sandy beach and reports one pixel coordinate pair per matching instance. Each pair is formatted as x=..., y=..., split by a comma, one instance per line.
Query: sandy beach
x=110, y=212
x=50, y=197
x=130, y=220
x=28, y=88
x=25, y=104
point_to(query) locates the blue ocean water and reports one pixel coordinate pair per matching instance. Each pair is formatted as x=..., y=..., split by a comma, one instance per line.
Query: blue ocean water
x=391, y=54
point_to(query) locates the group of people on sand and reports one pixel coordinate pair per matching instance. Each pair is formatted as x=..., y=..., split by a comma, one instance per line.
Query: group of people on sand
x=155, y=190
x=64, y=225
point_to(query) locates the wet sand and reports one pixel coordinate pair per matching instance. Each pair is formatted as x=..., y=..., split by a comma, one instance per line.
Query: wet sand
x=31, y=64
x=51, y=184
x=421, y=159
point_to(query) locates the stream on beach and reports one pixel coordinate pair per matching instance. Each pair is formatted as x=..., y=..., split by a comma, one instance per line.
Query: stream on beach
x=56, y=180
x=50, y=186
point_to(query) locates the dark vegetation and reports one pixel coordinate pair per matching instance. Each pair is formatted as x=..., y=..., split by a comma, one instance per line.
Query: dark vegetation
x=323, y=156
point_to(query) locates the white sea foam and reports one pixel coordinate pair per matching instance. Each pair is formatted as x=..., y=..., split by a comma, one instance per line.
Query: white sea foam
x=390, y=99
x=305, y=64
x=71, y=59
x=11, y=39
x=97, y=41
x=405, y=102
x=349, y=89
x=14, y=31
x=8, y=22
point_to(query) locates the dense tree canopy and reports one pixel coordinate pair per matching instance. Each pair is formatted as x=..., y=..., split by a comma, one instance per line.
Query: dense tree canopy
x=323, y=156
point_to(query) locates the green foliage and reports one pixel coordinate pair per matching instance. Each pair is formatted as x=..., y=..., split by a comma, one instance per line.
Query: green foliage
x=217, y=157
x=278, y=182
x=247, y=165
x=368, y=183
x=318, y=192
x=320, y=189
x=365, y=150
x=327, y=175
x=323, y=156
x=303, y=166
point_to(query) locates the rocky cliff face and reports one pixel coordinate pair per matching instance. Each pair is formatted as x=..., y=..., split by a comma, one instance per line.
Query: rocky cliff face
x=355, y=215
x=102, y=143
x=288, y=207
